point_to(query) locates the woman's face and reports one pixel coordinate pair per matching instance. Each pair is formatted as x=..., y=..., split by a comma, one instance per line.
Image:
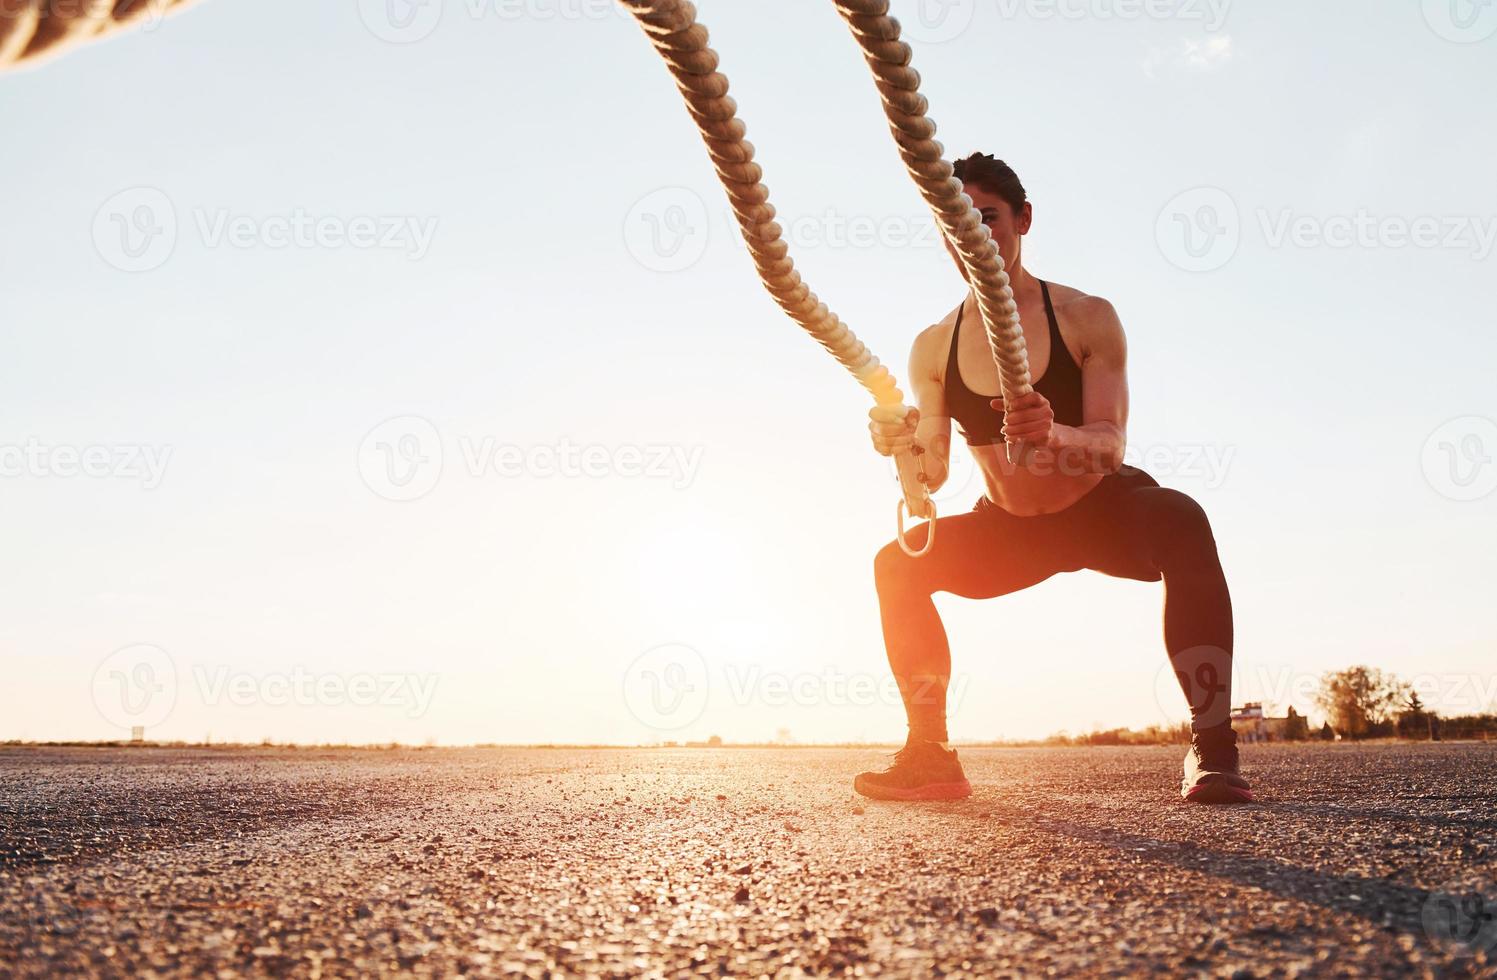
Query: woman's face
x=1006, y=226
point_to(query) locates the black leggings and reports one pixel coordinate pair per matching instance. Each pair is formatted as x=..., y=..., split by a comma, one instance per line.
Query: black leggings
x=1127, y=526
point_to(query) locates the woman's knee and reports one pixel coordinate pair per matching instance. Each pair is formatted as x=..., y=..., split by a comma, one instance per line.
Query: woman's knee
x=894, y=571
x=1180, y=527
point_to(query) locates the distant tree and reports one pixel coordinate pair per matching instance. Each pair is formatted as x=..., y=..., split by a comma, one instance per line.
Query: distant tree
x=1326, y=734
x=1358, y=700
x=715, y=742
x=1296, y=726
x=1414, y=722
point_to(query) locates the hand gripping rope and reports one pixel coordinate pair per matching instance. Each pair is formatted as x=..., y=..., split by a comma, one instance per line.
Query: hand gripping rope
x=673, y=29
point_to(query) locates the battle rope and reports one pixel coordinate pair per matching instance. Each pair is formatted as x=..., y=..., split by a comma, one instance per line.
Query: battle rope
x=899, y=84
x=674, y=31
x=32, y=31
x=682, y=41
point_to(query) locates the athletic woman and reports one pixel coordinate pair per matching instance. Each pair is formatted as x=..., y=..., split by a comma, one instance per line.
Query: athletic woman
x=1070, y=505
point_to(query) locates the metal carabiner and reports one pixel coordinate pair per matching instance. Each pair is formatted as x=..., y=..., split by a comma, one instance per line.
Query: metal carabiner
x=930, y=529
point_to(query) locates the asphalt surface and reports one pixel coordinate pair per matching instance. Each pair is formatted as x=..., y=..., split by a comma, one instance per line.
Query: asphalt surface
x=1359, y=860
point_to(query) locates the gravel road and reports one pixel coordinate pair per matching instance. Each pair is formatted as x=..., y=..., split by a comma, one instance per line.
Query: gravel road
x=1359, y=860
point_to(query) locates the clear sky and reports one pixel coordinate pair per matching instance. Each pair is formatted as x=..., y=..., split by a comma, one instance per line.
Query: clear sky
x=268, y=265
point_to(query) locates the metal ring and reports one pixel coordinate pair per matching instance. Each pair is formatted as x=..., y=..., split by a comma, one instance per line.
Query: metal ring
x=930, y=529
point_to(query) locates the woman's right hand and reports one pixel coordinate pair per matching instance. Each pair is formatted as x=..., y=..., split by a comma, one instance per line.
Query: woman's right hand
x=893, y=432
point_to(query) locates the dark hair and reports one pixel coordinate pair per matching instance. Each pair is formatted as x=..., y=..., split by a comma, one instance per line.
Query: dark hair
x=994, y=176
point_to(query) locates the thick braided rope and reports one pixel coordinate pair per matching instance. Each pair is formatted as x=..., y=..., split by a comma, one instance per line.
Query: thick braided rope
x=32, y=31
x=899, y=84
x=674, y=31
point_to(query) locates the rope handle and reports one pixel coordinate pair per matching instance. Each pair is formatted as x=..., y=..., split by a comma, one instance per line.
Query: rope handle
x=914, y=501
x=902, y=512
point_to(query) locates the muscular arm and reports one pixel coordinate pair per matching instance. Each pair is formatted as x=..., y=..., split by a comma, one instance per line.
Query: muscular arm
x=1101, y=440
x=929, y=396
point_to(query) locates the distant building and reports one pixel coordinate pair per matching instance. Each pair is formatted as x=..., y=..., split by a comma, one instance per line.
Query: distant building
x=1252, y=725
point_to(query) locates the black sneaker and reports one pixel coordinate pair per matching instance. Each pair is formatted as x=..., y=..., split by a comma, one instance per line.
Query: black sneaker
x=1211, y=768
x=921, y=771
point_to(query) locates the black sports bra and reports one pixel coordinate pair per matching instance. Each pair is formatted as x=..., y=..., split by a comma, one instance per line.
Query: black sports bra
x=980, y=424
